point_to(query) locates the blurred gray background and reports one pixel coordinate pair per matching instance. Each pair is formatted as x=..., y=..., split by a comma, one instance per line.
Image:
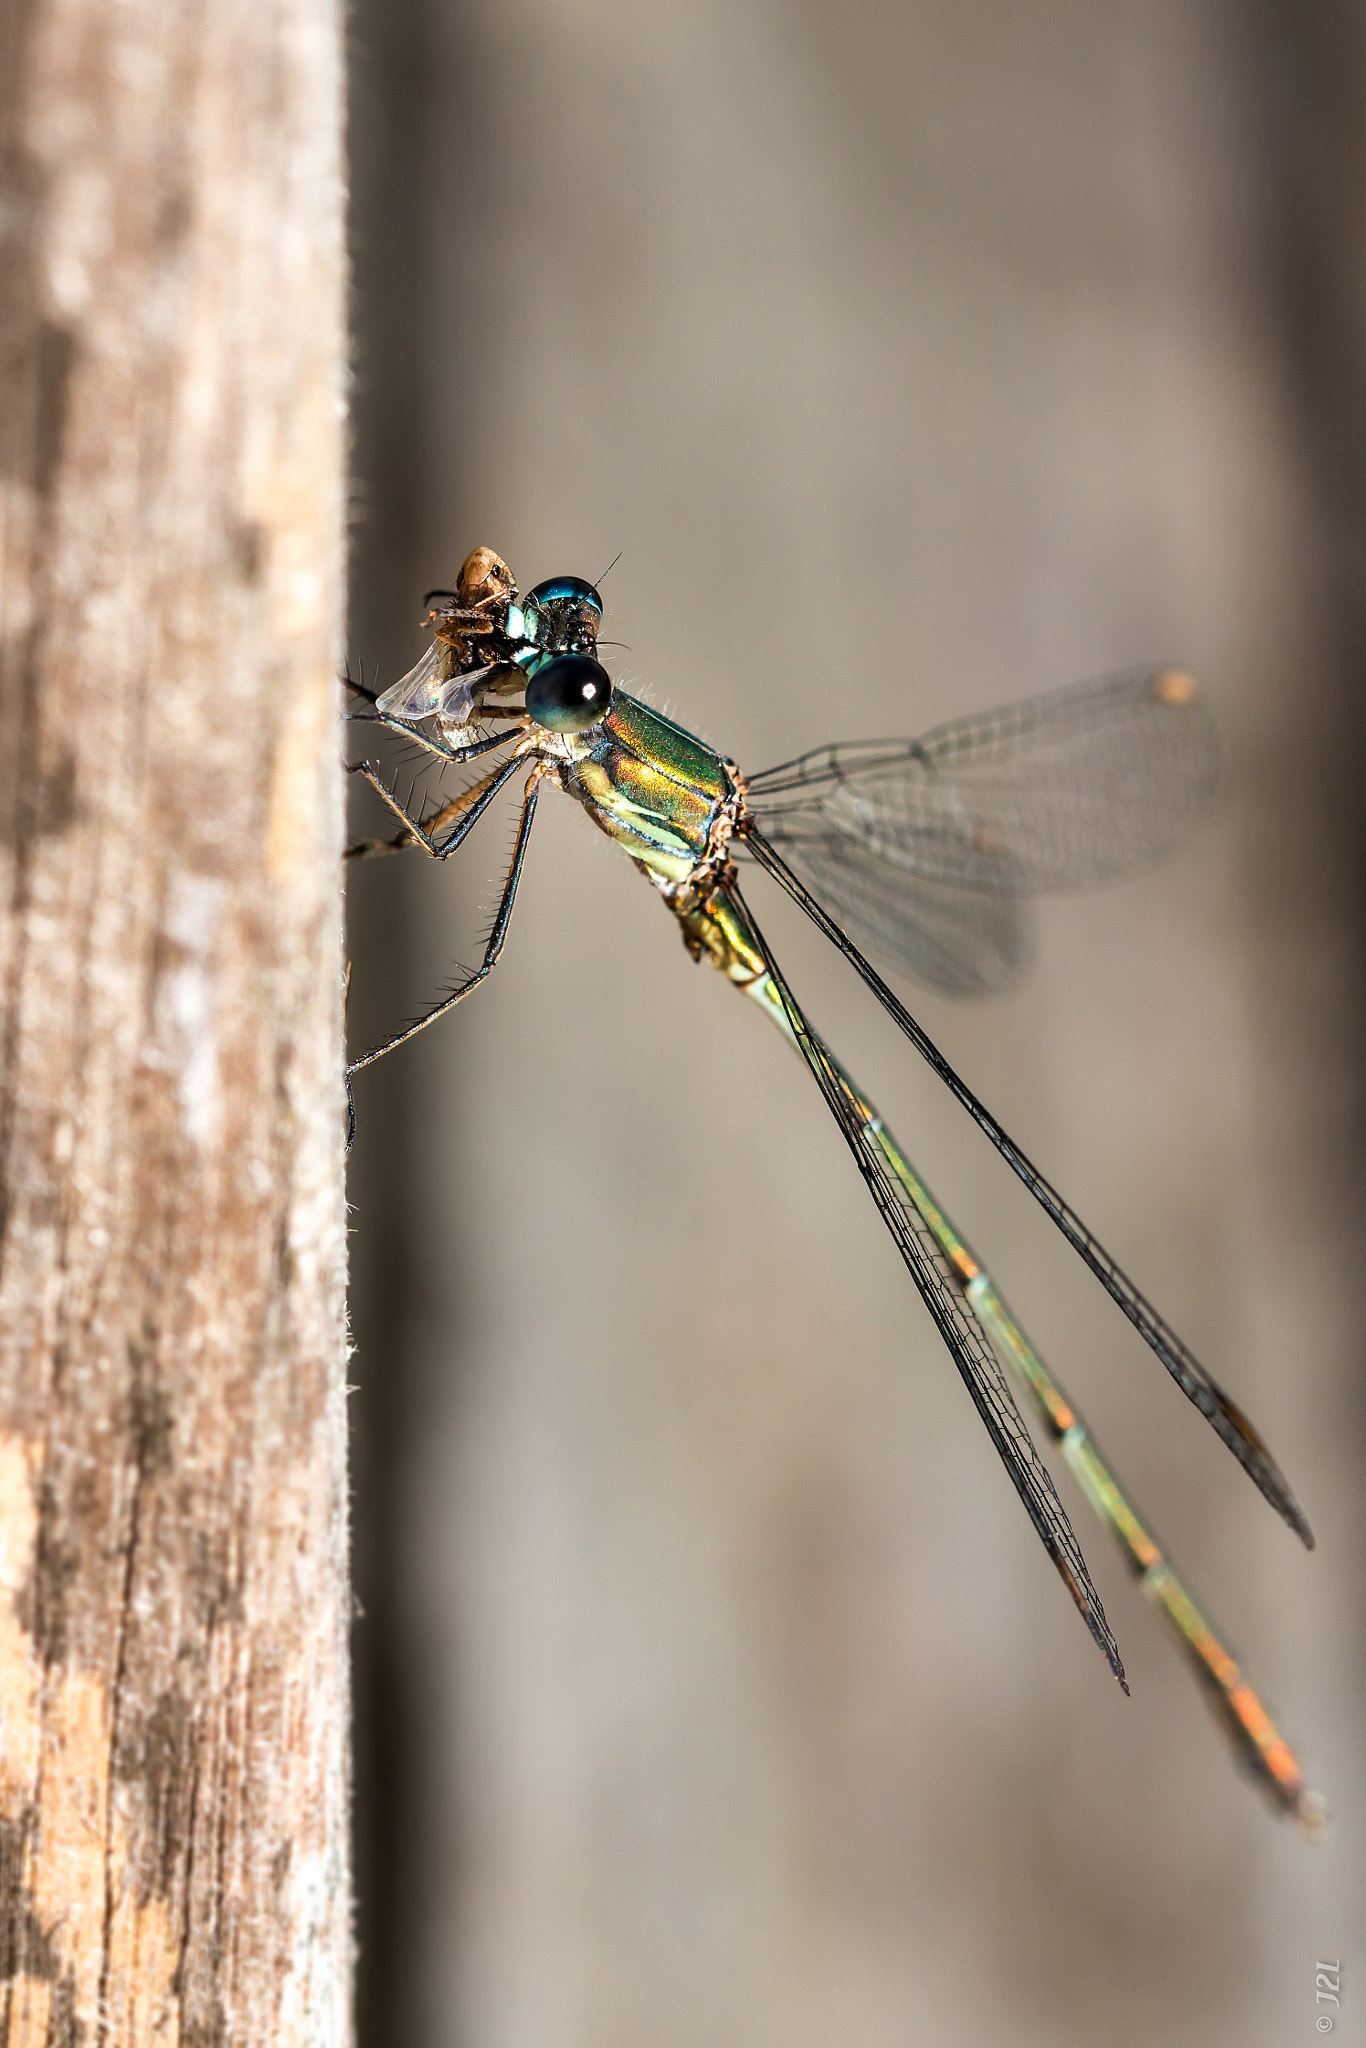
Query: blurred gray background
x=711, y=1685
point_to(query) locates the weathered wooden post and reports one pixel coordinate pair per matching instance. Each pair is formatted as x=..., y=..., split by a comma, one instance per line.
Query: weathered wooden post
x=173, y=1607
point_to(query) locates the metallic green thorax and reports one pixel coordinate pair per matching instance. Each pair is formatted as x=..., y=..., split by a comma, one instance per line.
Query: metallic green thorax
x=651, y=786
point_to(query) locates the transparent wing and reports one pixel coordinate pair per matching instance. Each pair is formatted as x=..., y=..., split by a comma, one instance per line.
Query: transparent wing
x=455, y=702
x=430, y=690
x=953, y=1314
x=964, y=942
x=1061, y=791
x=415, y=695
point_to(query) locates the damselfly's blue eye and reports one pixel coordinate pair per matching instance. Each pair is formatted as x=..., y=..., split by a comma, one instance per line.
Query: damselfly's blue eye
x=569, y=693
x=562, y=616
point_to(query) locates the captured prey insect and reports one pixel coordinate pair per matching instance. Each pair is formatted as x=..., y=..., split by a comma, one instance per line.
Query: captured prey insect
x=927, y=850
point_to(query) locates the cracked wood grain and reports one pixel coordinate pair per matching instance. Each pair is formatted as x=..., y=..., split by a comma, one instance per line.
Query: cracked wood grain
x=173, y=1703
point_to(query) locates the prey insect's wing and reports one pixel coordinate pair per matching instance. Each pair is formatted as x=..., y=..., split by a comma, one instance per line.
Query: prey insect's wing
x=431, y=690
x=416, y=694
x=928, y=847
x=953, y=1314
x=1196, y=1383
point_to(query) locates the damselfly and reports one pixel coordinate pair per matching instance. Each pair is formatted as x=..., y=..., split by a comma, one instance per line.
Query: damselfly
x=928, y=851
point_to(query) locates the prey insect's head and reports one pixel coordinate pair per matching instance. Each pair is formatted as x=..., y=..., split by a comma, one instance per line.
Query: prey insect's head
x=484, y=579
x=485, y=586
x=567, y=689
x=488, y=647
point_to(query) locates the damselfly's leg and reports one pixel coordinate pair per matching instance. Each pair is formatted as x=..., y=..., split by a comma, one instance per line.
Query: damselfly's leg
x=496, y=936
x=464, y=811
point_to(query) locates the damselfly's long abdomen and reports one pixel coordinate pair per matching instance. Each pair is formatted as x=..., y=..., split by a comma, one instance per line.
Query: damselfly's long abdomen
x=986, y=1337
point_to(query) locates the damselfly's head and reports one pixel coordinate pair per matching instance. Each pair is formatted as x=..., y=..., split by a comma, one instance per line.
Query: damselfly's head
x=560, y=616
x=567, y=688
x=569, y=693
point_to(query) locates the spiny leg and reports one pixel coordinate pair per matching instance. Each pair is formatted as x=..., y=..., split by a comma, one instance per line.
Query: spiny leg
x=360, y=689
x=466, y=809
x=496, y=936
x=452, y=756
